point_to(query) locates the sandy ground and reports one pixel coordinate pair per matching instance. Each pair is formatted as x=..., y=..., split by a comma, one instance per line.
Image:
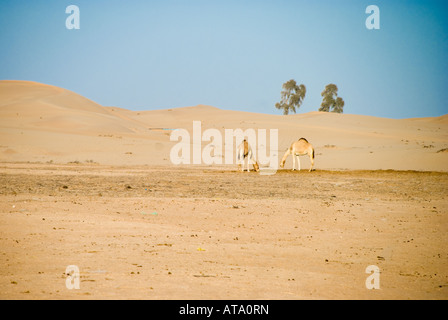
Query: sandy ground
x=141, y=232
x=95, y=187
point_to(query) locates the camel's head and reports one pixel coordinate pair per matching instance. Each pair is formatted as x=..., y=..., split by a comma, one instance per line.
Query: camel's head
x=256, y=167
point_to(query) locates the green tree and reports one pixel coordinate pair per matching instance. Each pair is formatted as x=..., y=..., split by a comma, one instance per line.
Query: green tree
x=292, y=96
x=330, y=100
x=339, y=105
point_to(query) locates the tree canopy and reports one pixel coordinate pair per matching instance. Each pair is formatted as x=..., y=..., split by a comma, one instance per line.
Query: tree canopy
x=292, y=96
x=330, y=101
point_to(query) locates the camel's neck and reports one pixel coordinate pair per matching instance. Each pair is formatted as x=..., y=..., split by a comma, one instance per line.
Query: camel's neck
x=287, y=153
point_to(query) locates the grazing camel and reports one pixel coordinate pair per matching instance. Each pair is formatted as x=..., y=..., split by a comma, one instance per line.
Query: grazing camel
x=298, y=148
x=245, y=151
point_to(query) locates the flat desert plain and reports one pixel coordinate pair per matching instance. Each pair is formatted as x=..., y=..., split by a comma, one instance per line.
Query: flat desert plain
x=93, y=187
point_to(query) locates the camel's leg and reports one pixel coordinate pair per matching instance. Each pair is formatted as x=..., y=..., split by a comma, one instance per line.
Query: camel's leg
x=298, y=160
x=312, y=163
x=241, y=162
x=293, y=162
x=250, y=160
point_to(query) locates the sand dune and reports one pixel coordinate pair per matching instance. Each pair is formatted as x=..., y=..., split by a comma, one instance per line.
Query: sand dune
x=41, y=123
x=26, y=104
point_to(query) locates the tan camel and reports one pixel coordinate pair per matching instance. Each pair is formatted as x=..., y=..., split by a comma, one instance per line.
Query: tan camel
x=298, y=148
x=245, y=151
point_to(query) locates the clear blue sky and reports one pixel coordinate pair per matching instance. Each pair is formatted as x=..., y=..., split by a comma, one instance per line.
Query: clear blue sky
x=144, y=55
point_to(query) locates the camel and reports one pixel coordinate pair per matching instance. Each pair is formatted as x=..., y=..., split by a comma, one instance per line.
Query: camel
x=298, y=148
x=245, y=151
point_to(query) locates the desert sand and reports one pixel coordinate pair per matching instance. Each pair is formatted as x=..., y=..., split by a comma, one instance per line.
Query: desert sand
x=93, y=186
